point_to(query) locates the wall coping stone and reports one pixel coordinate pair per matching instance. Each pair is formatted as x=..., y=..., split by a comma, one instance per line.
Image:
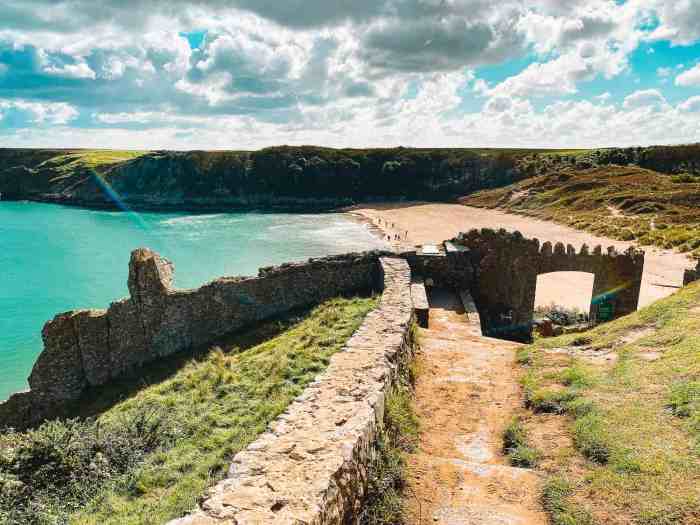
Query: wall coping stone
x=311, y=465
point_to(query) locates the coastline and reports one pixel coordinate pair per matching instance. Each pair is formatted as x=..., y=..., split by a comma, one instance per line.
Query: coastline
x=432, y=223
x=379, y=225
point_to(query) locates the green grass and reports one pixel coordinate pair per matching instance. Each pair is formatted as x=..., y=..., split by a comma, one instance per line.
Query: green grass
x=556, y=499
x=634, y=422
x=516, y=446
x=216, y=404
x=385, y=498
x=93, y=159
x=626, y=203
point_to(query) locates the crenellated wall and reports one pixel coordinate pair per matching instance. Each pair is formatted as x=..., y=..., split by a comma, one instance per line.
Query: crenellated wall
x=500, y=270
x=87, y=348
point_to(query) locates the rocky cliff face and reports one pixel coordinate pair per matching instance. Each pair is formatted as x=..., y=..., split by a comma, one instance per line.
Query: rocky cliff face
x=275, y=177
x=297, y=177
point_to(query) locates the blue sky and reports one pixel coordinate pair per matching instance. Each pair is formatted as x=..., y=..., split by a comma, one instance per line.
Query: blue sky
x=244, y=74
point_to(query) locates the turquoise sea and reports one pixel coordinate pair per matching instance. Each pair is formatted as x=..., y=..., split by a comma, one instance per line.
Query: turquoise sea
x=55, y=258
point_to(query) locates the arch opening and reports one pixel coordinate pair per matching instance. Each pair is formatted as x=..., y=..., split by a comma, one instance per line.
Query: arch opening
x=562, y=299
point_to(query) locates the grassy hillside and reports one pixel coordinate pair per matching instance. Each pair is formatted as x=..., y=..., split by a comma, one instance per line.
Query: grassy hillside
x=627, y=203
x=331, y=177
x=613, y=417
x=173, y=430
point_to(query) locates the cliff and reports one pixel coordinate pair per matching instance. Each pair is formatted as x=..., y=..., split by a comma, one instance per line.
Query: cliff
x=305, y=177
x=280, y=177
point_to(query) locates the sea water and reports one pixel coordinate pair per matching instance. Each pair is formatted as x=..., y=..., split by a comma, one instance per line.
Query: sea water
x=55, y=258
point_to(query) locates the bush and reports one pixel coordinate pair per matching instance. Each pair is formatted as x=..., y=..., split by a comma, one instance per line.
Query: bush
x=48, y=472
x=562, y=315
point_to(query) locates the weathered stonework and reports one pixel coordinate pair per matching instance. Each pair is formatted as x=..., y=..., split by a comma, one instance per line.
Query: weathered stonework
x=500, y=270
x=92, y=347
x=310, y=466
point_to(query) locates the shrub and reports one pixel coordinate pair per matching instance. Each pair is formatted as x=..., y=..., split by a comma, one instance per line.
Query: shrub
x=576, y=376
x=549, y=400
x=556, y=499
x=591, y=439
x=515, y=446
x=48, y=472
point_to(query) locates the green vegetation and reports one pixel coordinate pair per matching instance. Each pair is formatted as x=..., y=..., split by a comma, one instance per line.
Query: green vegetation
x=385, y=498
x=148, y=458
x=270, y=176
x=300, y=175
x=516, y=446
x=79, y=159
x=626, y=203
x=629, y=397
x=556, y=499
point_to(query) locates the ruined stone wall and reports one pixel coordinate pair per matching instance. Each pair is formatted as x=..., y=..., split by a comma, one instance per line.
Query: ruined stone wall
x=311, y=465
x=500, y=270
x=88, y=348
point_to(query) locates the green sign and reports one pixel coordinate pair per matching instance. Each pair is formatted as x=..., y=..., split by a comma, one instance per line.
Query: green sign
x=606, y=311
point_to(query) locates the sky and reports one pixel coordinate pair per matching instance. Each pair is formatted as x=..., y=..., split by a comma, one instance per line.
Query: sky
x=246, y=74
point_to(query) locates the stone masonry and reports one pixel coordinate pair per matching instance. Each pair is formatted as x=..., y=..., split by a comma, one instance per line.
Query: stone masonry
x=88, y=348
x=500, y=270
x=310, y=466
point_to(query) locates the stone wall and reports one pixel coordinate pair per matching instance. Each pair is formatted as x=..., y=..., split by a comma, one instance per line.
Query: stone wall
x=87, y=348
x=311, y=465
x=500, y=270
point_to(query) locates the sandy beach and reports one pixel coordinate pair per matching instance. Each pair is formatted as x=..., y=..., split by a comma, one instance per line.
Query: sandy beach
x=411, y=224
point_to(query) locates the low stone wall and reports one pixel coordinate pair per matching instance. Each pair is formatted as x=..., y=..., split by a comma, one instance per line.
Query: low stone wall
x=311, y=465
x=88, y=348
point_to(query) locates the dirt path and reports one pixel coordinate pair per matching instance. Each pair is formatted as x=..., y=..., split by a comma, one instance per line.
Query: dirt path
x=466, y=393
x=432, y=223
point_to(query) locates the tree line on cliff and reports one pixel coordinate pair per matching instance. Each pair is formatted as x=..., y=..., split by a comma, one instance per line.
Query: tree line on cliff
x=304, y=173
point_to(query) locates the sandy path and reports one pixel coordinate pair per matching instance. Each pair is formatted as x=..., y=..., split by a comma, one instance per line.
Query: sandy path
x=466, y=394
x=432, y=223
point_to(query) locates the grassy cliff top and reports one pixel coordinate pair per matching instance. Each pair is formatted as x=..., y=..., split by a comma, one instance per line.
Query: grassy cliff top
x=165, y=435
x=626, y=203
x=614, y=417
x=76, y=159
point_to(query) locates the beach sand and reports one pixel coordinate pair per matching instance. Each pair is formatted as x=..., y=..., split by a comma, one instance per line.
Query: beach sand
x=426, y=223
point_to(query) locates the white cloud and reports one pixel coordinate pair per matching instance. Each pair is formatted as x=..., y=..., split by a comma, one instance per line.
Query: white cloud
x=369, y=72
x=692, y=105
x=664, y=72
x=644, y=99
x=556, y=77
x=678, y=19
x=79, y=70
x=690, y=77
x=37, y=112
